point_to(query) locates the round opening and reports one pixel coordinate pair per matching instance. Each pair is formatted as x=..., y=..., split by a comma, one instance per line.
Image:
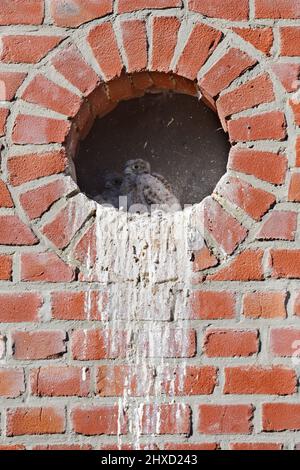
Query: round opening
x=176, y=134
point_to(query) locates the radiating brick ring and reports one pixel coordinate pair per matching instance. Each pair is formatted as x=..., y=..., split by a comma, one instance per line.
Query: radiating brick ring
x=85, y=76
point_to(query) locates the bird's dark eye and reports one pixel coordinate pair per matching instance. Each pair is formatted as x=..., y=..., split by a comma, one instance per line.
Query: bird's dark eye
x=135, y=167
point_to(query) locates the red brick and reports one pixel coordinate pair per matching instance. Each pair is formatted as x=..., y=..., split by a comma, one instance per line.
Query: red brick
x=75, y=12
x=162, y=419
x=14, y=232
x=113, y=380
x=142, y=81
x=285, y=342
x=125, y=6
x=297, y=152
x=99, y=420
x=233, y=10
x=85, y=250
x=100, y=103
x=73, y=67
x=279, y=9
x=188, y=380
x=264, y=304
x=26, y=48
x=46, y=420
x=9, y=83
x=252, y=93
x=206, y=305
x=254, y=201
x=260, y=380
x=45, y=267
x=191, y=446
x=281, y=416
x=202, y=42
x=167, y=342
x=294, y=188
x=93, y=345
x=288, y=74
x=60, y=381
x=247, y=266
x=48, y=94
x=67, y=222
x=185, y=86
x=265, y=126
x=225, y=419
x=290, y=41
x=21, y=307
x=28, y=167
x=104, y=44
x=295, y=105
x=121, y=89
x=22, y=12
x=5, y=197
x=12, y=447
x=266, y=166
x=5, y=267
x=134, y=37
x=12, y=383
x=297, y=305
x=285, y=263
x=261, y=38
x=204, y=259
x=164, y=39
x=3, y=118
x=225, y=71
x=256, y=446
x=39, y=130
x=83, y=122
x=230, y=343
x=162, y=81
x=88, y=305
x=36, y=202
x=279, y=225
x=224, y=228
x=30, y=345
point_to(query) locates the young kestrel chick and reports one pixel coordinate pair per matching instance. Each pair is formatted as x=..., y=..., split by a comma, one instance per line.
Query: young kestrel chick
x=145, y=188
x=112, y=188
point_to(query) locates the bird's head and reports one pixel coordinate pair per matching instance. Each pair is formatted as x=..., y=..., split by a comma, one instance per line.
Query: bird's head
x=137, y=167
x=112, y=180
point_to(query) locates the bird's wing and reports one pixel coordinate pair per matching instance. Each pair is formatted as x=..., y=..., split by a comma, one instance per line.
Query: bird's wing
x=155, y=192
x=164, y=181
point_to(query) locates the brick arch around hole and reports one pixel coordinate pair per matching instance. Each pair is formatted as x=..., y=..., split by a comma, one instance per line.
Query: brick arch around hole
x=81, y=73
x=58, y=103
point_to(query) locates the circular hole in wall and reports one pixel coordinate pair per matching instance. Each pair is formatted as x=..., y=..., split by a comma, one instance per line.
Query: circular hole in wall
x=177, y=134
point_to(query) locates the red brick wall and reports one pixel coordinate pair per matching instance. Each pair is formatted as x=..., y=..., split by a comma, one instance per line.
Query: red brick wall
x=97, y=352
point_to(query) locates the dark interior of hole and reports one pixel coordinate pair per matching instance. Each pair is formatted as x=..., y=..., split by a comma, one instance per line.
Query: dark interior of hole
x=178, y=135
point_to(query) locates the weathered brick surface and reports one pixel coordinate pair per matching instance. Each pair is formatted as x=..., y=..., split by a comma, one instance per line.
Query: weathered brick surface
x=229, y=10
x=201, y=43
x=75, y=12
x=135, y=44
x=35, y=165
x=267, y=166
x=28, y=49
x=231, y=343
x=104, y=348
x=259, y=37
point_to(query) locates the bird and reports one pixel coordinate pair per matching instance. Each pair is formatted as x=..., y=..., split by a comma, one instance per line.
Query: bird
x=147, y=189
x=112, y=187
